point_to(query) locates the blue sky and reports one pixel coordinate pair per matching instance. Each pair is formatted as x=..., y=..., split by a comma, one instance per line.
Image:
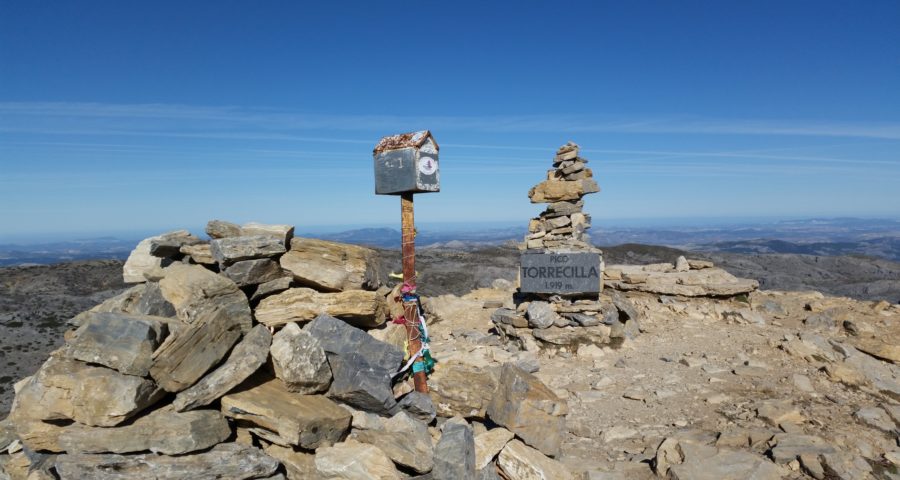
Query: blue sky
x=118, y=116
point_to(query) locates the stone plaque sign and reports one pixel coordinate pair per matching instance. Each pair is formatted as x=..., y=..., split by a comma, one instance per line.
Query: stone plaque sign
x=560, y=273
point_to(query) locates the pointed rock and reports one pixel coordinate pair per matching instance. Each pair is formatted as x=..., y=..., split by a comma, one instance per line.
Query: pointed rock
x=528, y=408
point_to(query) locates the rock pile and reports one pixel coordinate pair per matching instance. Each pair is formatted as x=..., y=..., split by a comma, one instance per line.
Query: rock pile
x=259, y=355
x=563, y=225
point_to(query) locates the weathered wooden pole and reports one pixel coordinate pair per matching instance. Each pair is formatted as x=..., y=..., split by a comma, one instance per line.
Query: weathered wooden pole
x=407, y=164
x=411, y=308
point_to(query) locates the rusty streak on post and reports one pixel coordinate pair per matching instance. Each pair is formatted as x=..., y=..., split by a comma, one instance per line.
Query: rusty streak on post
x=411, y=310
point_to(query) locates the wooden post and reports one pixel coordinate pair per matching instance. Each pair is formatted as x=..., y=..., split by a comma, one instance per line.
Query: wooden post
x=411, y=309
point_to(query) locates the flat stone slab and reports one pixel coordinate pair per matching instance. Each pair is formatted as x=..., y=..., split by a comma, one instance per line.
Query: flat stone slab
x=307, y=421
x=560, y=273
x=359, y=307
x=162, y=431
x=708, y=282
x=228, y=460
x=332, y=266
x=234, y=249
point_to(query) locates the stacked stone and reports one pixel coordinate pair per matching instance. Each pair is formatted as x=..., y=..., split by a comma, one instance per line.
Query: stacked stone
x=563, y=225
x=256, y=354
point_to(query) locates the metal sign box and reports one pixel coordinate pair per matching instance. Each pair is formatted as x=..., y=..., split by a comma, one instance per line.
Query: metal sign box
x=407, y=163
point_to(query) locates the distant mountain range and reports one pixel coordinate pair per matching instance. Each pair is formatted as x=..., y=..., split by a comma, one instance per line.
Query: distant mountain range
x=821, y=236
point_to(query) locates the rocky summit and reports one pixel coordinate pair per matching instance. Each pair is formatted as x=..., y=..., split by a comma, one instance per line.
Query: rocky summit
x=253, y=354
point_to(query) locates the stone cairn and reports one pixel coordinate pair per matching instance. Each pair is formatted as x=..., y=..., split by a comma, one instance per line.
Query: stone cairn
x=573, y=323
x=563, y=225
x=257, y=354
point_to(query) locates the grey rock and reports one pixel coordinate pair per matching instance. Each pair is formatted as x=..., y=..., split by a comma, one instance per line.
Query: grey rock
x=170, y=245
x=284, y=233
x=418, y=405
x=454, y=454
x=222, y=229
x=271, y=288
x=140, y=261
x=253, y=272
x=307, y=421
x=528, y=408
x=527, y=361
x=119, y=341
x=788, y=447
x=141, y=299
x=300, y=361
x=462, y=389
x=725, y=465
x=507, y=316
x=233, y=461
x=337, y=337
x=540, y=315
x=244, y=360
x=361, y=384
x=582, y=319
x=162, y=431
x=627, y=310
x=234, y=249
x=822, y=320
x=877, y=418
x=845, y=466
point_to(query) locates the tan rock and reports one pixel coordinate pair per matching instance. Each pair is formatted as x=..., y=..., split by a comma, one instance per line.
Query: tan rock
x=195, y=291
x=307, y=421
x=358, y=307
x=282, y=232
x=39, y=436
x=298, y=465
x=140, y=261
x=352, y=460
x=461, y=389
x=199, y=253
x=880, y=347
x=550, y=191
x=489, y=444
x=68, y=389
x=693, y=283
x=332, y=266
x=521, y=462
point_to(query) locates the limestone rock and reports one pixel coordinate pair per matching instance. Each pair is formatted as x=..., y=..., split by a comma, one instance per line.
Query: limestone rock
x=338, y=337
x=726, y=465
x=454, y=454
x=119, y=341
x=98, y=396
x=234, y=249
x=284, y=233
x=713, y=282
x=489, y=444
x=540, y=315
x=228, y=460
x=790, y=446
x=222, y=229
x=192, y=351
x=245, y=359
x=358, y=307
x=199, y=253
x=141, y=299
x=528, y=408
x=169, y=245
x=299, y=465
x=162, y=431
x=681, y=264
x=332, y=266
x=360, y=383
x=196, y=293
x=419, y=406
x=140, y=260
x=880, y=348
x=39, y=436
x=521, y=462
x=462, y=389
x=551, y=191
x=307, y=421
x=404, y=440
x=300, y=361
x=253, y=272
x=271, y=288
x=352, y=460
